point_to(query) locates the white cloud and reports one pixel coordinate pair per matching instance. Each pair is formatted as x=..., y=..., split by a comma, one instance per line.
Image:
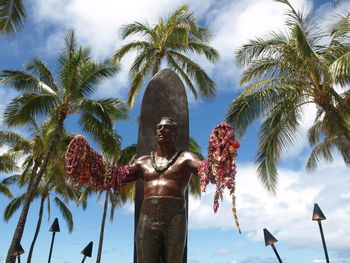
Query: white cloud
x=237, y=22
x=222, y=251
x=97, y=25
x=288, y=214
x=3, y=149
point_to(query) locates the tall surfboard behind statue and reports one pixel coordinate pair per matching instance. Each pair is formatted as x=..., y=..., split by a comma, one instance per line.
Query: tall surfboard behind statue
x=165, y=96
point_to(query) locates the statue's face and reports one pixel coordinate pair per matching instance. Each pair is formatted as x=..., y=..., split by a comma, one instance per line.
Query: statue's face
x=166, y=132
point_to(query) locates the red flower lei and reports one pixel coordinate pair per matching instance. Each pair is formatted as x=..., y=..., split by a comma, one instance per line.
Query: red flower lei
x=219, y=167
x=85, y=166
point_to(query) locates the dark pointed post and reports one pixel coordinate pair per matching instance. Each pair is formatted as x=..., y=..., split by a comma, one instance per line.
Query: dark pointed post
x=55, y=227
x=87, y=251
x=318, y=216
x=18, y=251
x=270, y=240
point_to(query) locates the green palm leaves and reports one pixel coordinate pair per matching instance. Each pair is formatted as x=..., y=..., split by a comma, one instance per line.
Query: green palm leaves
x=57, y=97
x=282, y=73
x=172, y=40
x=12, y=14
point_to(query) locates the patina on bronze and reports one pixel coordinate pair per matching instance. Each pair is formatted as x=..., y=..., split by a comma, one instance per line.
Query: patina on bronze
x=162, y=228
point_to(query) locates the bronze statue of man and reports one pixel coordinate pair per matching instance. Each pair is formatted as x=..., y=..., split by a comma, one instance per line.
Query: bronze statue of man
x=161, y=231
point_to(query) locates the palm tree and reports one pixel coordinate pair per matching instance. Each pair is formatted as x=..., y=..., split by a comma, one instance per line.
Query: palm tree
x=285, y=71
x=12, y=14
x=78, y=77
x=172, y=39
x=54, y=179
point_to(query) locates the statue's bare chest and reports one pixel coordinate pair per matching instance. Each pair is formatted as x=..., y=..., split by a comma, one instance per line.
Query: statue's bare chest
x=175, y=171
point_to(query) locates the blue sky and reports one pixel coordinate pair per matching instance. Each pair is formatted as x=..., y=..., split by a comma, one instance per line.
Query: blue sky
x=212, y=238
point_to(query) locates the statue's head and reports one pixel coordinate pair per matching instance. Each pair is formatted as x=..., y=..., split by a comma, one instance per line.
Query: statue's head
x=166, y=130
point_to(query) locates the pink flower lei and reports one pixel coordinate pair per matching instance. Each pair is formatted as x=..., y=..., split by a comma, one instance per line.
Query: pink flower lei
x=219, y=167
x=85, y=166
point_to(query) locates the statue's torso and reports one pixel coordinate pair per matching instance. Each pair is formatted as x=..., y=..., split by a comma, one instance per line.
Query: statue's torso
x=172, y=182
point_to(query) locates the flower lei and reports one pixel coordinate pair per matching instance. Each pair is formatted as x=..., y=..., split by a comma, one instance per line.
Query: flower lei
x=219, y=167
x=85, y=166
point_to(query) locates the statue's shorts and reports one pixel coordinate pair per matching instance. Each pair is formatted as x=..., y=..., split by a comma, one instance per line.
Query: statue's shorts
x=161, y=232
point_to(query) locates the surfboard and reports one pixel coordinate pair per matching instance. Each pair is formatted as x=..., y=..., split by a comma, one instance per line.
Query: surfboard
x=165, y=96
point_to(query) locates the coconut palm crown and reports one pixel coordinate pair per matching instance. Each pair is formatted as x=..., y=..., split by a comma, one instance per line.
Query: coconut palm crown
x=282, y=73
x=171, y=39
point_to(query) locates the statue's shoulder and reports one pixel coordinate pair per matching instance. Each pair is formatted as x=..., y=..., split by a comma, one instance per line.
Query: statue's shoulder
x=143, y=158
x=188, y=155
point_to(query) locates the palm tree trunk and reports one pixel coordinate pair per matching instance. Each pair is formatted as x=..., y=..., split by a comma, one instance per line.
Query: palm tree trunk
x=41, y=210
x=100, y=244
x=17, y=236
x=156, y=66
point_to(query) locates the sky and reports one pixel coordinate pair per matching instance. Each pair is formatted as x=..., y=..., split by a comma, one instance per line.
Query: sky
x=212, y=238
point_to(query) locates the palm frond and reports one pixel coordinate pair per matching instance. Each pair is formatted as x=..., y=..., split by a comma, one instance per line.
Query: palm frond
x=173, y=65
x=27, y=106
x=315, y=132
x=137, y=46
x=23, y=81
x=41, y=71
x=141, y=59
x=12, y=15
x=138, y=79
x=15, y=140
x=83, y=195
x=322, y=151
x=194, y=187
x=295, y=17
x=205, y=84
x=277, y=133
x=108, y=141
x=93, y=74
x=195, y=148
x=5, y=190
x=8, y=161
x=267, y=67
x=13, y=206
x=200, y=48
x=106, y=110
x=256, y=101
x=340, y=69
x=66, y=214
x=135, y=28
x=127, y=155
x=11, y=179
x=259, y=47
x=339, y=30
